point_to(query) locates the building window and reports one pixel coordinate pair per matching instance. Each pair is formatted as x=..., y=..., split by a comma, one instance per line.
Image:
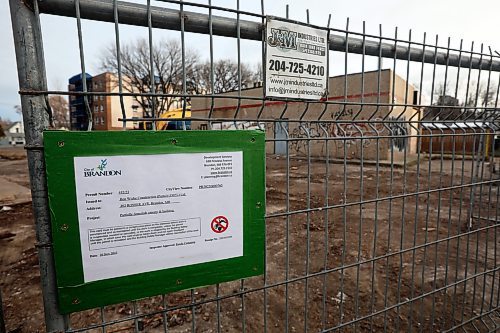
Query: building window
x=96, y=109
x=102, y=121
x=102, y=98
x=102, y=108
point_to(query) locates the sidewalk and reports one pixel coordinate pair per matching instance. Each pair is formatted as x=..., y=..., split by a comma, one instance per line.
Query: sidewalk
x=12, y=193
x=14, y=178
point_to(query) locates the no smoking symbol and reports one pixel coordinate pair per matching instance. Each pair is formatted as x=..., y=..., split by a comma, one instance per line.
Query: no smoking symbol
x=219, y=224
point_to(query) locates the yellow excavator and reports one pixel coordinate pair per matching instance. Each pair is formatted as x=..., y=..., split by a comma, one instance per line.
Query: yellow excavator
x=174, y=124
x=170, y=124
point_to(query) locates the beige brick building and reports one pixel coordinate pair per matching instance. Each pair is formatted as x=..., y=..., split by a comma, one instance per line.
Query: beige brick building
x=106, y=110
x=300, y=120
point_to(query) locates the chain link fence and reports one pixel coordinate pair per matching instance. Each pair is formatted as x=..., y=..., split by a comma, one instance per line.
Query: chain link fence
x=382, y=197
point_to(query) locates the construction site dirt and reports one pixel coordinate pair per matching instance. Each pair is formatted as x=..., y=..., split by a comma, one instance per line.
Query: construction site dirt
x=355, y=246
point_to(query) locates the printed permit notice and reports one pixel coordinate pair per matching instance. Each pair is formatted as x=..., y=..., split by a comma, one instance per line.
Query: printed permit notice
x=296, y=61
x=142, y=213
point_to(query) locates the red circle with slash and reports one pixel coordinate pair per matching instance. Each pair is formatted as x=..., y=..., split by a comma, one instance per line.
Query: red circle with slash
x=219, y=224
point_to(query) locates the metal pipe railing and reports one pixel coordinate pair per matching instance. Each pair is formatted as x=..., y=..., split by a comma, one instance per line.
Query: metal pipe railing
x=170, y=19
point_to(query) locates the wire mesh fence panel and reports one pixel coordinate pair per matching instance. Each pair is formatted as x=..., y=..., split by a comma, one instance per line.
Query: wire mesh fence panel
x=382, y=196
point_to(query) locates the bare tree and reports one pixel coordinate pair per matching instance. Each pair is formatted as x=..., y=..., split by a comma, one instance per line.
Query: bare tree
x=3, y=127
x=225, y=77
x=482, y=95
x=4, y=124
x=136, y=69
x=169, y=73
x=258, y=73
x=488, y=95
x=443, y=88
x=60, y=111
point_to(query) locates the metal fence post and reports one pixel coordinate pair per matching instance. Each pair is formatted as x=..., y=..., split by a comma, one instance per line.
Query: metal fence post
x=31, y=73
x=2, y=321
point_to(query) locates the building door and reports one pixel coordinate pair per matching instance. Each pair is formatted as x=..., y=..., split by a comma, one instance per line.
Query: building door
x=280, y=133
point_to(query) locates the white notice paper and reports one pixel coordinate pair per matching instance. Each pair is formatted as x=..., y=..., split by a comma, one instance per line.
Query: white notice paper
x=142, y=213
x=296, y=60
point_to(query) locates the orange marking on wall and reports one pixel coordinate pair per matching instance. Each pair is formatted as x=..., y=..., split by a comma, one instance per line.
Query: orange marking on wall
x=272, y=103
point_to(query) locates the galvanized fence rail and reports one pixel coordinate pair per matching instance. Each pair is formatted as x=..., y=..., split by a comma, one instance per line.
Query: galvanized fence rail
x=382, y=198
x=2, y=320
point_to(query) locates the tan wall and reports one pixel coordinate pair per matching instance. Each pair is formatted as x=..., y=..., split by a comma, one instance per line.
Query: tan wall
x=403, y=94
x=116, y=111
x=354, y=139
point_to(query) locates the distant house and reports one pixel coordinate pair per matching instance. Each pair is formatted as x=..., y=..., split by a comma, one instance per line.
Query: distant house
x=14, y=134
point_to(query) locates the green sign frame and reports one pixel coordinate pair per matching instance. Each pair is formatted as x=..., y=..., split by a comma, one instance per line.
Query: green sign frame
x=61, y=148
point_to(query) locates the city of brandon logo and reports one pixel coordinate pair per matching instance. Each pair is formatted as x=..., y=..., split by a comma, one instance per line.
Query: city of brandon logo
x=283, y=39
x=101, y=170
x=103, y=164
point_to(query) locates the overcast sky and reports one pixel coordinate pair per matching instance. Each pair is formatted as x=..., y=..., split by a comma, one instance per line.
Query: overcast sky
x=459, y=19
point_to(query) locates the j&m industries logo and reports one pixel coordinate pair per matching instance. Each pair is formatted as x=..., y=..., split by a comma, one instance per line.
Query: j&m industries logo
x=283, y=39
x=286, y=40
x=101, y=170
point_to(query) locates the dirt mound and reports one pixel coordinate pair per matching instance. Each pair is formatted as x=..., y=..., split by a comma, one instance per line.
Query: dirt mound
x=12, y=153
